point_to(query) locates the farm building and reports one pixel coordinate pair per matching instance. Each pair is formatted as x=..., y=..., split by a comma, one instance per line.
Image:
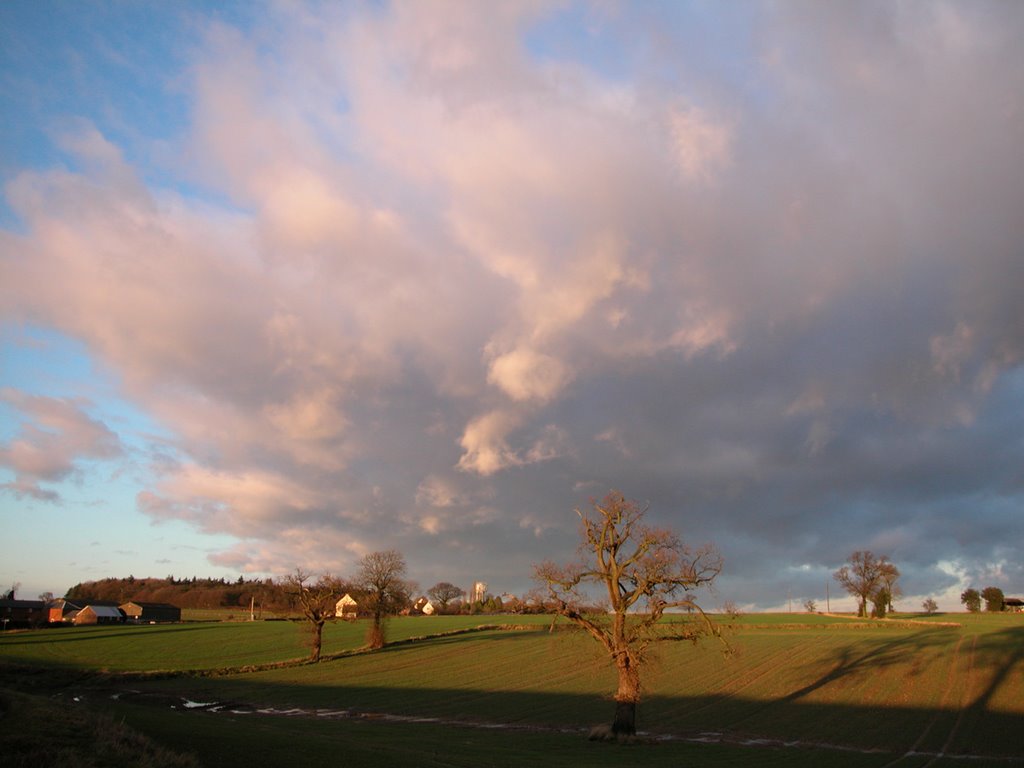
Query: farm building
x=21, y=613
x=150, y=612
x=1014, y=604
x=63, y=610
x=346, y=607
x=99, y=614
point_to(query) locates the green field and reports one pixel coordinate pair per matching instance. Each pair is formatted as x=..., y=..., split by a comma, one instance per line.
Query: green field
x=209, y=645
x=798, y=689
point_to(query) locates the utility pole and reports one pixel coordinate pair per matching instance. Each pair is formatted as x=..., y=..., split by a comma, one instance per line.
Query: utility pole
x=252, y=608
x=828, y=607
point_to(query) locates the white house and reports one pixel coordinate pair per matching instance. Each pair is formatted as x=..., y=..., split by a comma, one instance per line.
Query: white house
x=424, y=606
x=346, y=608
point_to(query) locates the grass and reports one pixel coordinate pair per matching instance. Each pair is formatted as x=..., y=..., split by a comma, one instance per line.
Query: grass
x=210, y=645
x=849, y=692
x=35, y=732
x=242, y=741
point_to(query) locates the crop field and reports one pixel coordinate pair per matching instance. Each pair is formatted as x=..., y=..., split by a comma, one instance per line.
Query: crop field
x=795, y=690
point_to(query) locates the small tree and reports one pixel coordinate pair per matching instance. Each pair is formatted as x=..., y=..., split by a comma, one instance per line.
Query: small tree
x=317, y=601
x=644, y=571
x=810, y=606
x=381, y=577
x=972, y=599
x=443, y=593
x=993, y=597
x=930, y=606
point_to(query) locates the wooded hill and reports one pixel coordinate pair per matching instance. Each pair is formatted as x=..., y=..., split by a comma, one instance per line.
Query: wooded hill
x=184, y=593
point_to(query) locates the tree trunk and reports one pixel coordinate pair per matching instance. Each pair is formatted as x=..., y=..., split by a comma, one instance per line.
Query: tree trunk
x=624, y=723
x=317, y=641
x=375, y=637
x=626, y=699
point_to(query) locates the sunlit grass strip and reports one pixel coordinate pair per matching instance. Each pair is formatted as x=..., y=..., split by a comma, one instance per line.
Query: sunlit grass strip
x=179, y=671
x=212, y=645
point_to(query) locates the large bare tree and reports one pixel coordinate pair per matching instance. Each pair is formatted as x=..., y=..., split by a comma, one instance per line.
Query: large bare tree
x=644, y=572
x=381, y=579
x=317, y=602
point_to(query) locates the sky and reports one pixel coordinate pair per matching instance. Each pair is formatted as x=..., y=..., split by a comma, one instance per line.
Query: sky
x=285, y=283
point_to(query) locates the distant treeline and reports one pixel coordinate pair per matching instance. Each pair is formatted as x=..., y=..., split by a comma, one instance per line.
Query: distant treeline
x=262, y=594
x=185, y=593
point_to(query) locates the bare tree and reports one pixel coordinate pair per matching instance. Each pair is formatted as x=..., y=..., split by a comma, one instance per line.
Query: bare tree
x=929, y=605
x=317, y=602
x=443, y=593
x=862, y=577
x=381, y=577
x=810, y=606
x=644, y=571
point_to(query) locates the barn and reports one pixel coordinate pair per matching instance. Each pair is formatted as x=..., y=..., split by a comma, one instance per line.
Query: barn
x=150, y=613
x=99, y=614
x=63, y=610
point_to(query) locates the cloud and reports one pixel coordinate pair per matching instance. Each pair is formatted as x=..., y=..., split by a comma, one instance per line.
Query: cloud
x=485, y=444
x=57, y=436
x=410, y=283
x=525, y=375
x=702, y=146
x=437, y=492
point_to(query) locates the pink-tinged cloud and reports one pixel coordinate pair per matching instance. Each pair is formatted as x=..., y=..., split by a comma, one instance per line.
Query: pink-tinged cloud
x=54, y=438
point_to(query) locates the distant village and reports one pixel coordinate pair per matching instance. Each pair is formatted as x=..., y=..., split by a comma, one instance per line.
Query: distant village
x=89, y=604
